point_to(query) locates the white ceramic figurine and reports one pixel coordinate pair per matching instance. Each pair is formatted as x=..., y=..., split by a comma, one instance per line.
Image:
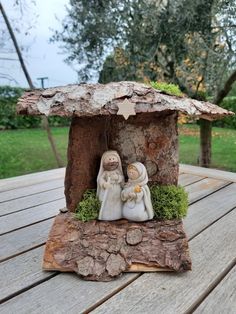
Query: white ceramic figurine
x=109, y=181
x=136, y=194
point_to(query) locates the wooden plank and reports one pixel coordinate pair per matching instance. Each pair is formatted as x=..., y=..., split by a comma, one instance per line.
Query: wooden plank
x=213, y=251
x=204, y=212
x=208, y=172
x=21, y=272
x=200, y=215
x=64, y=293
x=30, y=201
x=45, y=231
x=24, y=239
x=186, y=179
x=223, y=298
x=30, y=216
x=204, y=187
x=33, y=178
x=33, y=189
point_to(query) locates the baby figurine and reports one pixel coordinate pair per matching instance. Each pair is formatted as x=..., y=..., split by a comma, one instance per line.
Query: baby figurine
x=109, y=181
x=136, y=194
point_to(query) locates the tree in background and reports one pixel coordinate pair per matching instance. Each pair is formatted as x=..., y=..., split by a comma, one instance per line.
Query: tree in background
x=188, y=43
x=29, y=80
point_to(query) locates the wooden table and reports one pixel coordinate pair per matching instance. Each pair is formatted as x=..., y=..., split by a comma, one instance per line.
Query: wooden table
x=27, y=207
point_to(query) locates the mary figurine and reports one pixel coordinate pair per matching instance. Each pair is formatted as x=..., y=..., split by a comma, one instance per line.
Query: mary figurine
x=136, y=194
x=109, y=181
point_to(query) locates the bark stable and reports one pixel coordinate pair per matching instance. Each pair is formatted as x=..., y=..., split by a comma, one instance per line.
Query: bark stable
x=146, y=137
x=99, y=250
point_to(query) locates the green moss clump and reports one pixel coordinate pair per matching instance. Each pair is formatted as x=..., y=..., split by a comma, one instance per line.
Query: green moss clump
x=169, y=202
x=167, y=88
x=88, y=208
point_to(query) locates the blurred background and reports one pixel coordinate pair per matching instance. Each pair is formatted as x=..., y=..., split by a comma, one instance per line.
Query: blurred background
x=181, y=47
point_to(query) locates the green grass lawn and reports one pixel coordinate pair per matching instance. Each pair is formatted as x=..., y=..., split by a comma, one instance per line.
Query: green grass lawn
x=223, y=147
x=28, y=150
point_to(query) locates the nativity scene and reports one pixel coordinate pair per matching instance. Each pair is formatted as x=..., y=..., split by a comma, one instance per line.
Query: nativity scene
x=124, y=208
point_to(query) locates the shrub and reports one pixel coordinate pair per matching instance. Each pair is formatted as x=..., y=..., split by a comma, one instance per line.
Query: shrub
x=167, y=88
x=169, y=202
x=88, y=208
x=228, y=103
x=9, y=118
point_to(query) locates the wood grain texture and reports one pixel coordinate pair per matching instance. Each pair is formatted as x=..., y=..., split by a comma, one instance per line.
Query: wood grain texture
x=99, y=99
x=30, y=216
x=170, y=293
x=65, y=293
x=208, y=172
x=24, y=239
x=204, y=212
x=30, y=201
x=223, y=298
x=34, y=189
x=21, y=271
x=30, y=179
x=204, y=187
x=186, y=179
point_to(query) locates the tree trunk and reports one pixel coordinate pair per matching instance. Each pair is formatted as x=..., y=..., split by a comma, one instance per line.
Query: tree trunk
x=205, y=143
x=206, y=126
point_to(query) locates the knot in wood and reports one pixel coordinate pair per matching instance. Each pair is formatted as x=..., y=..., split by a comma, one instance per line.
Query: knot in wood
x=133, y=237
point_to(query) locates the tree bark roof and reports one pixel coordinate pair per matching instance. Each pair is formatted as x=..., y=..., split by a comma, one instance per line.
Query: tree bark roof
x=98, y=99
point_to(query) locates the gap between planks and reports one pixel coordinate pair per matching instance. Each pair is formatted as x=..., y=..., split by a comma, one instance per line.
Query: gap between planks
x=31, y=179
x=215, y=220
x=98, y=303
x=212, y=287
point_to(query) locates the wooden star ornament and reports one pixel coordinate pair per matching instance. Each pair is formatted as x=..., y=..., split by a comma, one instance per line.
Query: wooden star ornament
x=126, y=109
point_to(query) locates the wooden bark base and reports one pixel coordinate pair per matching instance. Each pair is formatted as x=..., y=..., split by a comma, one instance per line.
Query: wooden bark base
x=103, y=250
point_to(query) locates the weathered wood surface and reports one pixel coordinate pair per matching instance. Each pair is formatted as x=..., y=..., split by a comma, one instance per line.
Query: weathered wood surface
x=49, y=296
x=186, y=179
x=22, y=240
x=102, y=250
x=168, y=293
x=199, y=189
x=30, y=201
x=223, y=298
x=31, y=215
x=31, y=179
x=99, y=99
x=208, y=172
x=34, y=189
x=21, y=272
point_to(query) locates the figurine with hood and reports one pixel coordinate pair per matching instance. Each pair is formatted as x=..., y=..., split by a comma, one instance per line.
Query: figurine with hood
x=109, y=184
x=136, y=194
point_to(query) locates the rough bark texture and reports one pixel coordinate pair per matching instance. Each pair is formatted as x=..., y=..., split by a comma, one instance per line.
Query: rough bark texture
x=99, y=99
x=150, y=138
x=87, y=143
x=103, y=250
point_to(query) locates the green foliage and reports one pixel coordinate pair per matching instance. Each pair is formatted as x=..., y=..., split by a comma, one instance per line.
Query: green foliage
x=228, y=103
x=88, y=207
x=9, y=118
x=167, y=88
x=169, y=202
x=188, y=43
